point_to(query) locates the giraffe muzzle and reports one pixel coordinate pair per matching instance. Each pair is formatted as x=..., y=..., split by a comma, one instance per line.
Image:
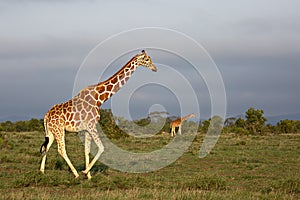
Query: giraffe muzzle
x=153, y=68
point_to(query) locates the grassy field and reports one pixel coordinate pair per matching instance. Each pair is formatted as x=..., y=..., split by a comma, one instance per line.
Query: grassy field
x=239, y=167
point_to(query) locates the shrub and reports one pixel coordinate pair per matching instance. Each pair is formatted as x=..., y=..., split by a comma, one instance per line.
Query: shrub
x=109, y=126
x=240, y=131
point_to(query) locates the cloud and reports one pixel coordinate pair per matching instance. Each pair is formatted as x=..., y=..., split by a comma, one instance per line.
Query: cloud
x=255, y=46
x=254, y=26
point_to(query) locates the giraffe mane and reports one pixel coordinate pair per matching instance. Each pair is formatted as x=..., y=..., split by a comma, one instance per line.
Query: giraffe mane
x=120, y=70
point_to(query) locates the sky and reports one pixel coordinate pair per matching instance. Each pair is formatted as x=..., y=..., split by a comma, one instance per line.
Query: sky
x=255, y=46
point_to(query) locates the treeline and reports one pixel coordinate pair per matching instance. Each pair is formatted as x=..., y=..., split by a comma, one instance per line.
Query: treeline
x=22, y=126
x=254, y=123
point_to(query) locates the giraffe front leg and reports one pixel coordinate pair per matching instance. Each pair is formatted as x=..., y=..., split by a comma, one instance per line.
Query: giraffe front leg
x=100, y=146
x=179, y=130
x=87, y=150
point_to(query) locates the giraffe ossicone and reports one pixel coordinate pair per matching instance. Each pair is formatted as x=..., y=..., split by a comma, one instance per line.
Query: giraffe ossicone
x=82, y=113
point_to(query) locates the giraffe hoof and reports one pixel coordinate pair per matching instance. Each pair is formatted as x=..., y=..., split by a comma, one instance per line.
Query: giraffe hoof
x=89, y=176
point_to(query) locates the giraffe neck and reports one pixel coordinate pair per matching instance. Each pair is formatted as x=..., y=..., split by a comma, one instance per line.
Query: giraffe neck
x=109, y=87
x=186, y=117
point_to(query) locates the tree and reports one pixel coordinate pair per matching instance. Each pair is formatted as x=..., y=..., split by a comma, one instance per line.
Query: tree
x=254, y=120
x=8, y=126
x=143, y=121
x=240, y=123
x=35, y=125
x=216, y=125
x=205, y=124
x=269, y=128
x=230, y=121
x=20, y=126
x=109, y=126
x=288, y=126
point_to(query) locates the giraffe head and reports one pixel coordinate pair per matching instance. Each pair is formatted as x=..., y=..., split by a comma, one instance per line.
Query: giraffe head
x=145, y=61
x=193, y=115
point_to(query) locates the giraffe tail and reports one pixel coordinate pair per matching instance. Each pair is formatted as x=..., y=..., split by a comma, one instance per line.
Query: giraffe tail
x=43, y=148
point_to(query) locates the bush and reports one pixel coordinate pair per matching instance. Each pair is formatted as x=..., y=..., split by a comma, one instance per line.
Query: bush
x=288, y=126
x=22, y=126
x=240, y=131
x=255, y=120
x=109, y=126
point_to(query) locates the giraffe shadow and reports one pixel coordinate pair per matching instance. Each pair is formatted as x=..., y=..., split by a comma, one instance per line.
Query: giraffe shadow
x=176, y=129
x=97, y=168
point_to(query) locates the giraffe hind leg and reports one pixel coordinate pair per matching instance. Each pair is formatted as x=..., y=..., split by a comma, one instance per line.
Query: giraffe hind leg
x=44, y=146
x=61, y=148
x=179, y=130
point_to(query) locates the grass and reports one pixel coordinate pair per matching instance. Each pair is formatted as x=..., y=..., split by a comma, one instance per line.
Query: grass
x=239, y=167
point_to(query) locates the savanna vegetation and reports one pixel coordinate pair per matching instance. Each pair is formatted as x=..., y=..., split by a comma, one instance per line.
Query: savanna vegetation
x=251, y=160
x=254, y=123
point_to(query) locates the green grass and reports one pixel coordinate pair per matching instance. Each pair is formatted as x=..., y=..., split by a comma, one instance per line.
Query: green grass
x=239, y=167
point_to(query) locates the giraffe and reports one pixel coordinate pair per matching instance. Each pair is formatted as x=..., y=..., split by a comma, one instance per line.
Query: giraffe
x=178, y=122
x=82, y=113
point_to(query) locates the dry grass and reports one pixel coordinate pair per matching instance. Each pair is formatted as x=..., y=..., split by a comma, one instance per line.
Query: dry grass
x=245, y=167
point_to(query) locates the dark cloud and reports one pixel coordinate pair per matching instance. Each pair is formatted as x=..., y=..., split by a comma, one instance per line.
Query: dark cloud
x=43, y=44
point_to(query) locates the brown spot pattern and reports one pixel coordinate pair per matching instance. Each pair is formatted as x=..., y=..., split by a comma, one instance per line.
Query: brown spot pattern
x=83, y=110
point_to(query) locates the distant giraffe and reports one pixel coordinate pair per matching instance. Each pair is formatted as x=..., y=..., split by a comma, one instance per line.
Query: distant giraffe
x=178, y=123
x=82, y=113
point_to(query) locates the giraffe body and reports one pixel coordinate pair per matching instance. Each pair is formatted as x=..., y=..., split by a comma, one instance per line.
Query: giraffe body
x=178, y=123
x=82, y=113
